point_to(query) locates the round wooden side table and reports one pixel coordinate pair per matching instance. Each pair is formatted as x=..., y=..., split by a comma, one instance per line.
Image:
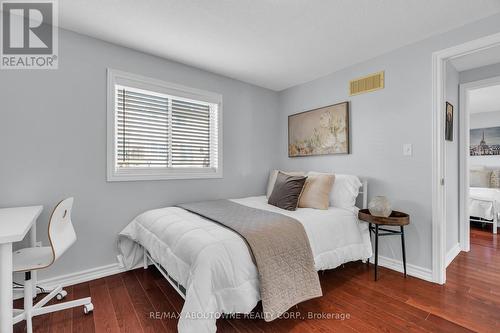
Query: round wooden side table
x=396, y=218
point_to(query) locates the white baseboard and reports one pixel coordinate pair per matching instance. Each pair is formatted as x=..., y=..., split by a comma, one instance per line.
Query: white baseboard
x=82, y=276
x=452, y=253
x=413, y=270
x=78, y=277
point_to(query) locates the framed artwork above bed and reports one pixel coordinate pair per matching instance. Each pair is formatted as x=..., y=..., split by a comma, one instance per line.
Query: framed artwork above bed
x=322, y=131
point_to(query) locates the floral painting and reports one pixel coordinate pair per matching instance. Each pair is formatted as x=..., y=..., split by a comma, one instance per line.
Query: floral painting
x=319, y=132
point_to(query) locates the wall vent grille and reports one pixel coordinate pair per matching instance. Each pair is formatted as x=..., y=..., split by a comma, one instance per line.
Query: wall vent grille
x=366, y=84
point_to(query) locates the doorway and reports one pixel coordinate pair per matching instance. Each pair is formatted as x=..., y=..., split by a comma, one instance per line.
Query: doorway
x=480, y=157
x=439, y=173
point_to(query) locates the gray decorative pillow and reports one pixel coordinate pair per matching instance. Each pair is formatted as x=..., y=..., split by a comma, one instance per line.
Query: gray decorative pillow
x=286, y=191
x=272, y=179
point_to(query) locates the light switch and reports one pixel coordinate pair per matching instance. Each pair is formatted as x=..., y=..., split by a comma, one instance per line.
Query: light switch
x=407, y=149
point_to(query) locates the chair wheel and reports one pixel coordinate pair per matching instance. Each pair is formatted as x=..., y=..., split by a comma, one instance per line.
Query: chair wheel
x=88, y=308
x=61, y=295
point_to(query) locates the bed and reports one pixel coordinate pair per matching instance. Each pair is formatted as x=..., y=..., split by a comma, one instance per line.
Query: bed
x=211, y=266
x=484, y=204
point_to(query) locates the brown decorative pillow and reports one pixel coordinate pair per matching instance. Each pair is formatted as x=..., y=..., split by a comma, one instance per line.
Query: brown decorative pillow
x=316, y=193
x=272, y=179
x=287, y=191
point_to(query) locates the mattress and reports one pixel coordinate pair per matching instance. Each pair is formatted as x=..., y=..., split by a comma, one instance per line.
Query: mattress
x=213, y=263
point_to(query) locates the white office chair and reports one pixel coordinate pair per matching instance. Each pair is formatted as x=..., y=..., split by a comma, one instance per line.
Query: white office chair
x=61, y=237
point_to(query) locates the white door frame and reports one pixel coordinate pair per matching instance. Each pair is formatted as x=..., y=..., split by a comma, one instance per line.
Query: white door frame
x=439, y=59
x=464, y=156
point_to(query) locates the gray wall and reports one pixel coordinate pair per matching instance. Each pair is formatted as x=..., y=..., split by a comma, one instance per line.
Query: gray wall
x=452, y=161
x=481, y=73
x=482, y=120
x=53, y=144
x=381, y=122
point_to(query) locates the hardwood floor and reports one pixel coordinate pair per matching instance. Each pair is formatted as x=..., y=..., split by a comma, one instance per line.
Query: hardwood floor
x=470, y=301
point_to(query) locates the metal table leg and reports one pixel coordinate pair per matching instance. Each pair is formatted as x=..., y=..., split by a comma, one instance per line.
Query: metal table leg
x=403, y=248
x=376, y=250
x=370, y=235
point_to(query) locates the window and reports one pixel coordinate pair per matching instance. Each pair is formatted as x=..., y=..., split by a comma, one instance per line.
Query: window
x=158, y=130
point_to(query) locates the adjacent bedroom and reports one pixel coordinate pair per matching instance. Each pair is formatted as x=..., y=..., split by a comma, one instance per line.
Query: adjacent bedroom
x=249, y=166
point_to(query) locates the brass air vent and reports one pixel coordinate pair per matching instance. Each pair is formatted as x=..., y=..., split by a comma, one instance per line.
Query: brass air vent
x=365, y=84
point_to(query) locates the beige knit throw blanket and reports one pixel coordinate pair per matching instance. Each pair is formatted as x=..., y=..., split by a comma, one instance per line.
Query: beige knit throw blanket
x=280, y=249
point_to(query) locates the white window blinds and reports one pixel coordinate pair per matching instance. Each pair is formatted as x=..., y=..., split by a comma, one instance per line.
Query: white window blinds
x=142, y=128
x=159, y=131
x=191, y=134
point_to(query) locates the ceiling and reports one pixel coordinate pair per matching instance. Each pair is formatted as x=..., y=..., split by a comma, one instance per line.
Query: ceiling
x=481, y=58
x=271, y=43
x=484, y=99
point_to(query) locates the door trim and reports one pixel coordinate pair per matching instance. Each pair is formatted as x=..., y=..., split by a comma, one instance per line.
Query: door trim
x=464, y=119
x=439, y=59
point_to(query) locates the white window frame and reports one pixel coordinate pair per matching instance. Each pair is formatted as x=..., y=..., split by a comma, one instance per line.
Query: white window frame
x=117, y=77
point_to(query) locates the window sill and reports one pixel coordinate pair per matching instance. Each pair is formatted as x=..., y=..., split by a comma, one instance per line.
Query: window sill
x=141, y=175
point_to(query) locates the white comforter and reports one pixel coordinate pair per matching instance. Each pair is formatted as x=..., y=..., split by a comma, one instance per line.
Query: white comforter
x=213, y=263
x=484, y=202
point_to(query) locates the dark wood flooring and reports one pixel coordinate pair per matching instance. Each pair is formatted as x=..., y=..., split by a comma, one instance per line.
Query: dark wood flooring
x=470, y=301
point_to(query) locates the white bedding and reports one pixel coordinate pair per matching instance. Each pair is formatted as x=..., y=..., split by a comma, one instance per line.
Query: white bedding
x=484, y=202
x=213, y=263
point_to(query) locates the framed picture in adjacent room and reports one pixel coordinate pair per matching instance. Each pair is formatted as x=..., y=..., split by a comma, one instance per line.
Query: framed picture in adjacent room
x=322, y=131
x=485, y=141
x=449, y=122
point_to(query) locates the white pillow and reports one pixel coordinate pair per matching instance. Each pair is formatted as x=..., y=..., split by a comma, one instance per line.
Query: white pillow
x=480, y=178
x=345, y=191
x=272, y=179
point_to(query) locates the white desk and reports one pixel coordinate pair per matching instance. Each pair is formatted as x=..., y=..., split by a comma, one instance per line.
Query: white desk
x=14, y=225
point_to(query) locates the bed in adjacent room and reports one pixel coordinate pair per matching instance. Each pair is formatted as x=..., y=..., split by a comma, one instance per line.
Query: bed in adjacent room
x=484, y=196
x=484, y=205
x=211, y=266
